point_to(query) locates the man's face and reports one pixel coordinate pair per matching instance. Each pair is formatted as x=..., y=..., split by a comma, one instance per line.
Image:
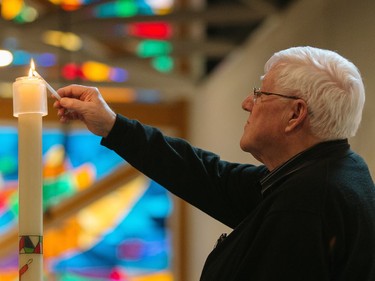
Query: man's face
x=265, y=127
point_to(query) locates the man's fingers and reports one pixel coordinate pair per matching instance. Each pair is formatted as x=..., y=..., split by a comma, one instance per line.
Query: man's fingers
x=75, y=91
x=71, y=103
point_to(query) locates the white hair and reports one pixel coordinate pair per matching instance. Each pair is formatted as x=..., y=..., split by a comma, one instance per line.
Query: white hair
x=330, y=84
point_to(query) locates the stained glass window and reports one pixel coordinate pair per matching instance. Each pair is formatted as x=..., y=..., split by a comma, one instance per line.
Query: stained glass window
x=122, y=236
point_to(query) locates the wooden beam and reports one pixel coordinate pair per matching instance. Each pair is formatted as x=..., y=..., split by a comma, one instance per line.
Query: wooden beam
x=223, y=14
x=69, y=207
x=165, y=114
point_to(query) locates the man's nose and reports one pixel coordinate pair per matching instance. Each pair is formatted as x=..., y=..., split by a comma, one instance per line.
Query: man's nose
x=248, y=103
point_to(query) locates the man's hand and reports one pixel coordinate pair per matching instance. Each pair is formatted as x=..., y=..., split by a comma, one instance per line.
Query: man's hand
x=86, y=104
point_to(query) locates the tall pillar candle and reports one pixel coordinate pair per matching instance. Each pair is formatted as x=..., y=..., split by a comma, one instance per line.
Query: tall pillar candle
x=29, y=105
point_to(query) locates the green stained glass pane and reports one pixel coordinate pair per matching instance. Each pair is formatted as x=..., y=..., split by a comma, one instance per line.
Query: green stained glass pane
x=8, y=164
x=153, y=48
x=13, y=204
x=163, y=63
x=126, y=8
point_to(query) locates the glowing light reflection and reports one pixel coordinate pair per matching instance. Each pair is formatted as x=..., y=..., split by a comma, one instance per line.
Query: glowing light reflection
x=11, y=8
x=6, y=58
x=151, y=30
x=95, y=71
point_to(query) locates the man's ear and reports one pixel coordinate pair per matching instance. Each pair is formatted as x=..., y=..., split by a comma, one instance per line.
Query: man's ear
x=298, y=115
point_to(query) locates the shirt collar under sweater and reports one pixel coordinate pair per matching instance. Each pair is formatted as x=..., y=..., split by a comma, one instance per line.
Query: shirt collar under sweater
x=301, y=160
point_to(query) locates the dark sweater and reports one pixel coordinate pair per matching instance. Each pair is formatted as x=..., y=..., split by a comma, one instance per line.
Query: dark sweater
x=311, y=219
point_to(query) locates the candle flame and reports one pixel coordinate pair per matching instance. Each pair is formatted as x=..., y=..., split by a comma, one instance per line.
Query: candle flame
x=32, y=68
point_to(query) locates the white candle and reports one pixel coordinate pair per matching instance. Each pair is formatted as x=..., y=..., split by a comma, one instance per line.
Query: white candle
x=29, y=105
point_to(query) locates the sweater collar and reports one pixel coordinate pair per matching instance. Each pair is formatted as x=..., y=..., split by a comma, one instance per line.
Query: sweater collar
x=303, y=159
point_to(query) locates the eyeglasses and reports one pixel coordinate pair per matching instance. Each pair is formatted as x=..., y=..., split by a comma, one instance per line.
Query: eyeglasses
x=257, y=93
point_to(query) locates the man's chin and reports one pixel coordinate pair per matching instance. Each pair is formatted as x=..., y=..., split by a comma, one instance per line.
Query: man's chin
x=244, y=146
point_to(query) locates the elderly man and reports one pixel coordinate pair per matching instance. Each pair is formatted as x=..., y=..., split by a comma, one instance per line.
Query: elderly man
x=307, y=213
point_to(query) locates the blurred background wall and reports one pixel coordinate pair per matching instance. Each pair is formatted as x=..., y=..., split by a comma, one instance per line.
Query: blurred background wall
x=217, y=120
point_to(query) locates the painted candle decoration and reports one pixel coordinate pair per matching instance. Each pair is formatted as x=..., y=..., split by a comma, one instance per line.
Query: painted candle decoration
x=30, y=105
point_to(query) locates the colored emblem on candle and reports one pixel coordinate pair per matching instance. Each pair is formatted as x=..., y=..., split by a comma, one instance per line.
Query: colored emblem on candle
x=31, y=244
